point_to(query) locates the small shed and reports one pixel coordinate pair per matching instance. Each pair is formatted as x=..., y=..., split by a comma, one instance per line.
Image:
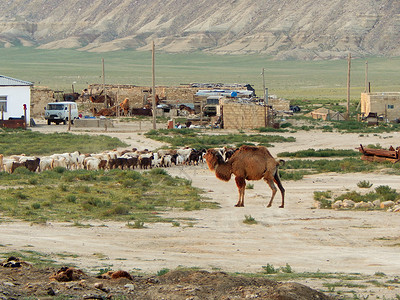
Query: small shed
x=14, y=94
x=326, y=114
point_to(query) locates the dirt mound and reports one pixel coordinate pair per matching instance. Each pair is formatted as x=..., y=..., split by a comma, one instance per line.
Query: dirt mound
x=28, y=281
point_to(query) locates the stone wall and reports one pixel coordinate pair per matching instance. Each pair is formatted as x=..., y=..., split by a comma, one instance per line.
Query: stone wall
x=243, y=116
x=141, y=95
x=39, y=99
x=279, y=104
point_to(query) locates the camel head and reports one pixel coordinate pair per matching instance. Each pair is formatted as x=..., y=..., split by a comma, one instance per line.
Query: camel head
x=213, y=158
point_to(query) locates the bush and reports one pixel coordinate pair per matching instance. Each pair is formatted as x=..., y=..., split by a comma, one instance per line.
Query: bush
x=323, y=198
x=248, y=219
x=269, y=269
x=386, y=192
x=287, y=269
x=162, y=272
x=71, y=198
x=249, y=186
x=36, y=205
x=138, y=224
x=364, y=184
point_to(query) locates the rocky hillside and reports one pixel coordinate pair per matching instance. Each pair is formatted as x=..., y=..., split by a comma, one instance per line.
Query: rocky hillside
x=295, y=29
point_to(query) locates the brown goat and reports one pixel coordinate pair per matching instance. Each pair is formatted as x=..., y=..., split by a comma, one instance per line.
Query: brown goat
x=247, y=163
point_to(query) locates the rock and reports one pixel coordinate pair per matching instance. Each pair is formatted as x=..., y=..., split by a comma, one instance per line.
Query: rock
x=347, y=203
x=129, y=286
x=396, y=208
x=386, y=204
x=377, y=203
x=317, y=204
x=363, y=204
x=337, y=204
x=6, y=283
x=98, y=285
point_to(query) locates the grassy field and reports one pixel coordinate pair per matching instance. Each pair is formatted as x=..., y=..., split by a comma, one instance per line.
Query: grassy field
x=35, y=143
x=59, y=69
x=74, y=196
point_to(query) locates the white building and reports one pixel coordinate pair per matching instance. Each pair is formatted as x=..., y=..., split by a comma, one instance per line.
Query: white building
x=14, y=94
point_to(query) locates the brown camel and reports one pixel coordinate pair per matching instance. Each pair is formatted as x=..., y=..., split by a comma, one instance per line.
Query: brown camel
x=248, y=163
x=125, y=106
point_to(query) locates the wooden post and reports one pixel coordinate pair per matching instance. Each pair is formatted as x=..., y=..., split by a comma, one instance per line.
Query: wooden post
x=26, y=121
x=201, y=112
x=69, y=117
x=154, y=87
x=348, y=86
x=366, y=77
x=104, y=85
x=117, y=106
x=265, y=100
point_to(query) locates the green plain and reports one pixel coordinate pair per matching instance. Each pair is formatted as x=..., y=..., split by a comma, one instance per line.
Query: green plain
x=294, y=80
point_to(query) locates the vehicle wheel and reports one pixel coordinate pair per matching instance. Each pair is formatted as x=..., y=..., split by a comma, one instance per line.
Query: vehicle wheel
x=48, y=122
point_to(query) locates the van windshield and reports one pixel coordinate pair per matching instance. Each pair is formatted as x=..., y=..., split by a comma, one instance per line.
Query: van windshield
x=55, y=107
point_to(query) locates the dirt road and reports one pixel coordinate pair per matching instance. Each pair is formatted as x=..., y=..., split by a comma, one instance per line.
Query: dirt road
x=307, y=239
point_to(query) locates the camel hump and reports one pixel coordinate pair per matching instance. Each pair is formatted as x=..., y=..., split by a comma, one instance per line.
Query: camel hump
x=250, y=148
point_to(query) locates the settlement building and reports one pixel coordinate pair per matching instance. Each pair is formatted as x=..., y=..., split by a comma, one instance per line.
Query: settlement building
x=383, y=105
x=15, y=94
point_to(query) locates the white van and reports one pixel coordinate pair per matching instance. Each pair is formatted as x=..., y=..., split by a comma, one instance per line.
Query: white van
x=58, y=112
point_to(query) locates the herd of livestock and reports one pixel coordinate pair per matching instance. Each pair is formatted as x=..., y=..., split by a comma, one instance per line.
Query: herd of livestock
x=126, y=159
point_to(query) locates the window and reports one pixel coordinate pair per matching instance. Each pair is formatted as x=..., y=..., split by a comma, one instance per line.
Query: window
x=3, y=103
x=390, y=106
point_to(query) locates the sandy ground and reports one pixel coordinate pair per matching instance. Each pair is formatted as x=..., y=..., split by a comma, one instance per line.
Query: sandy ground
x=305, y=238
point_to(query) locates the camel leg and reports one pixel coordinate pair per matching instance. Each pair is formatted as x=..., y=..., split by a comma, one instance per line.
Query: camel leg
x=277, y=180
x=273, y=188
x=241, y=184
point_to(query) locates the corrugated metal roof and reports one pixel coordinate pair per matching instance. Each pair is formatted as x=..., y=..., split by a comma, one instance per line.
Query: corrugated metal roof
x=8, y=81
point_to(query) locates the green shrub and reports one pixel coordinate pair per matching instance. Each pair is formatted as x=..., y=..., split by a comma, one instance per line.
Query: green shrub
x=364, y=184
x=162, y=272
x=352, y=195
x=287, y=269
x=324, y=199
x=71, y=198
x=120, y=210
x=138, y=224
x=269, y=269
x=250, y=186
x=386, y=192
x=36, y=205
x=33, y=181
x=158, y=171
x=63, y=187
x=248, y=219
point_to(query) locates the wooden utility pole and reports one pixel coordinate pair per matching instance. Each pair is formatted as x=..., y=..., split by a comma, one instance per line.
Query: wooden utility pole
x=366, y=77
x=69, y=117
x=348, y=86
x=104, y=84
x=154, y=87
x=265, y=100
